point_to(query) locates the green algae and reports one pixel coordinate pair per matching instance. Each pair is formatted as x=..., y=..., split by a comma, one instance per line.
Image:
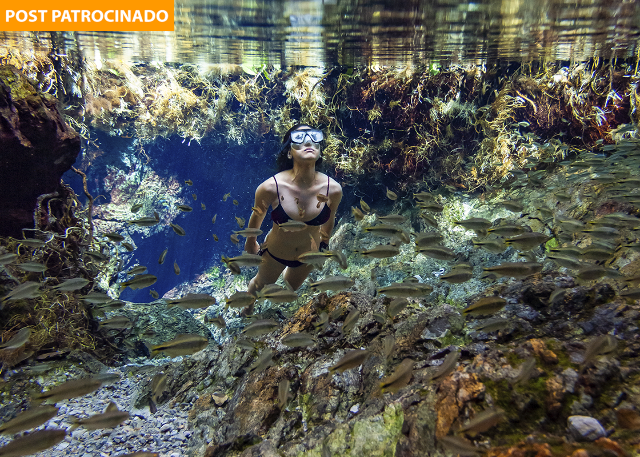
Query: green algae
x=375, y=436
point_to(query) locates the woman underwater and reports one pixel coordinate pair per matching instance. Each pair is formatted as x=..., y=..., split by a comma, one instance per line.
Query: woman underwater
x=298, y=192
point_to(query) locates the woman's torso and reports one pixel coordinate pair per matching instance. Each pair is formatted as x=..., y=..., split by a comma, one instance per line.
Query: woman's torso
x=300, y=205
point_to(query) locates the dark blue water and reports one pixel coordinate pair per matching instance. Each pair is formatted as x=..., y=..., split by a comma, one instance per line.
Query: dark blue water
x=215, y=171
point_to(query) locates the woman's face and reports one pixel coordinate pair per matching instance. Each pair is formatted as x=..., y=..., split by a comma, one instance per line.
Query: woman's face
x=308, y=149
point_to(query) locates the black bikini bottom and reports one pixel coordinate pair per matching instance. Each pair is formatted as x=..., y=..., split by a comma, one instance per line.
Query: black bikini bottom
x=286, y=263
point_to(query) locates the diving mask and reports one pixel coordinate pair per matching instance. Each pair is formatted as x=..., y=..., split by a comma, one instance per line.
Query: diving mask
x=298, y=136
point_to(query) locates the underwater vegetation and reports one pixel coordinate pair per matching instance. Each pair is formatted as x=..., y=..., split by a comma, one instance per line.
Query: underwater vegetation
x=466, y=127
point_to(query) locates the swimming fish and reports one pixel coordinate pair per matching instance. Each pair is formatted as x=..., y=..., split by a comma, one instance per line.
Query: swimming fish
x=162, y=256
x=19, y=339
x=244, y=260
x=6, y=259
x=300, y=339
x=459, y=446
x=109, y=419
x=350, y=360
x=477, y=224
x=391, y=195
x=511, y=205
x=71, y=284
x=118, y=322
x=381, y=251
x=183, y=344
x=176, y=268
x=184, y=208
x=406, y=289
x=482, y=421
x=486, y=305
x=526, y=369
x=350, y=321
x=34, y=267
x=193, y=301
x=96, y=298
x=240, y=300
x=176, y=228
x=506, y=230
x=248, y=232
x=388, y=345
x=33, y=442
x=396, y=306
x=69, y=389
x=437, y=252
x=399, y=378
x=527, y=241
x=128, y=246
x=139, y=282
x=145, y=221
x=113, y=236
x=335, y=283
x=603, y=344
x=260, y=327
x=277, y=295
x=293, y=226
x=28, y=419
x=137, y=270
x=514, y=269
x=389, y=231
x=448, y=365
x=392, y=219
x=357, y=214
x=493, y=325
x=283, y=393
x=263, y=361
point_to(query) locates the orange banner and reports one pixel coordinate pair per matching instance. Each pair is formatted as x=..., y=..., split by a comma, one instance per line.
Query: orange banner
x=77, y=15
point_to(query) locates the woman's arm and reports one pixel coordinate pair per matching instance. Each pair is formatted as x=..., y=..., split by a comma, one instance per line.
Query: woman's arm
x=335, y=196
x=264, y=196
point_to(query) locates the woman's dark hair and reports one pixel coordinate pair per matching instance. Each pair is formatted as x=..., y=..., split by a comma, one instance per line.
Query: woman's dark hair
x=283, y=161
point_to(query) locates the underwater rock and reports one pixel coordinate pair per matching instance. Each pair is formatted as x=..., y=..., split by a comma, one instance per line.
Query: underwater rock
x=37, y=148
x=454, y=391
x=585, y=428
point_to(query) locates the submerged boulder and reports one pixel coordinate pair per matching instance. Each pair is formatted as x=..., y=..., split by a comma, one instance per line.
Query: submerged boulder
x=37, y=148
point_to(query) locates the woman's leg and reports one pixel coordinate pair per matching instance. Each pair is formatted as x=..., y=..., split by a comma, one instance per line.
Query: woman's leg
x=268, y=273
x=296, y=276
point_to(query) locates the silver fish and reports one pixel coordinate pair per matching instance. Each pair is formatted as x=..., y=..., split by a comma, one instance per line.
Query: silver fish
x=33, y=442
x=296, y=340
x=28, y=419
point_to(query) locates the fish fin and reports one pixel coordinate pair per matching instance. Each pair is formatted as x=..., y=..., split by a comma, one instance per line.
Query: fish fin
x=152, y=407
x=111, y=407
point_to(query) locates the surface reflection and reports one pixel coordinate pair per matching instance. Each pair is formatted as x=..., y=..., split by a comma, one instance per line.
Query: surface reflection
x=352, y=33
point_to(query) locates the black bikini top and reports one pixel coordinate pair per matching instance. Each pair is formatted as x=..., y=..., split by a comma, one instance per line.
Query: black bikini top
x=279, y=216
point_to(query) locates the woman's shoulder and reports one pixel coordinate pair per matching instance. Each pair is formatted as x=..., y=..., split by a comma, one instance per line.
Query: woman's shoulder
x=334, y=186
x=268, y=186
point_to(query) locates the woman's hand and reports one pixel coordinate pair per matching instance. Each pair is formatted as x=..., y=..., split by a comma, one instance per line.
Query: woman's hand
x=251, y=246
